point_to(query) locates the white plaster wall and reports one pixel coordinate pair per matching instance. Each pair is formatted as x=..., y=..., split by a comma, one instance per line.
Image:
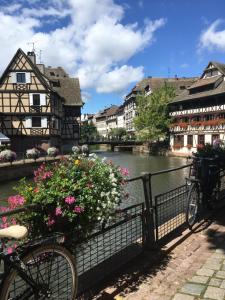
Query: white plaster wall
x=208, y=138
x=195, y=140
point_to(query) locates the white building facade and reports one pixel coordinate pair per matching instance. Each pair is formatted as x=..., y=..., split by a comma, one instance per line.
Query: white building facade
x=198, y=113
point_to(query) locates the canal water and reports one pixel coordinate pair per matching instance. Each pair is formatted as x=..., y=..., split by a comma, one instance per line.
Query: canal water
x=136, y=164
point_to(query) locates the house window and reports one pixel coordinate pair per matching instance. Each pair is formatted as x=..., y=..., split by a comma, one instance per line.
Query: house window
x=52, y=73
x=201, y=139
x=190, y=140
x=215, y=137
x=179, y=141
x=55, y=84
x=20, y=77
x=36, y=100
x=36, y=121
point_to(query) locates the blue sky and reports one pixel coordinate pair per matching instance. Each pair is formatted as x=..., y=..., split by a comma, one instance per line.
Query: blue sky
x=111, y=45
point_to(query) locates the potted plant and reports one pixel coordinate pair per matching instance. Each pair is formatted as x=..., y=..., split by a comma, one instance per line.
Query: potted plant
x=33, y=153
x=81, y=192
x=52, y=151
x=189, y=146
x=7, y=156
x=76, y=150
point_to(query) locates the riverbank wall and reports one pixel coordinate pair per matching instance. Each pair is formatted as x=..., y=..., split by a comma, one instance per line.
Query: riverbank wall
x=21, y=168
x=159, y=148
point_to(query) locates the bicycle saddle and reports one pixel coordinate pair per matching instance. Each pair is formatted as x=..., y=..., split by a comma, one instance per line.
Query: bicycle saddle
x=14, y=231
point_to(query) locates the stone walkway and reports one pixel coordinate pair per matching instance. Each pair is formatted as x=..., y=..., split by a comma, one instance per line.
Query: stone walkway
x=208, y=282
x=190, y=268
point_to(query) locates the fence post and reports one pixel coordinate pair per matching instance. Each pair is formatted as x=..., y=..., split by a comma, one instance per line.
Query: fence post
x=149, y=213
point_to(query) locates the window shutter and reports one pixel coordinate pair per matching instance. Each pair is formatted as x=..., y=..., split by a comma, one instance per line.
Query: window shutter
x=13, y=77
x=28, y=77
x=31, y=99
x=43, y=99
x=44, y=122
x=28, y=122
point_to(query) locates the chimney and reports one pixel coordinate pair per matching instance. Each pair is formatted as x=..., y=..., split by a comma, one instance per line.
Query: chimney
x=32, y=56
x=41, y=68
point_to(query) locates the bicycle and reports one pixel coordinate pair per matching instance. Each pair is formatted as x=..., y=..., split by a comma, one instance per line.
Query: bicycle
x=39, y=269
x=203, y=188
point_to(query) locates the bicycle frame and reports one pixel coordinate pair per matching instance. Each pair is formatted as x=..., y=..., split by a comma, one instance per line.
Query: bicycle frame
x=13, y=261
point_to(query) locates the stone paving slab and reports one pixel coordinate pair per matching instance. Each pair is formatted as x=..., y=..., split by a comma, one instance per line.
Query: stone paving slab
x=206, y=287
x=193, y=270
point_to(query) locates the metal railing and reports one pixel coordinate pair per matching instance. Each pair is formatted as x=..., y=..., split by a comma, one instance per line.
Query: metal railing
x=148, y=224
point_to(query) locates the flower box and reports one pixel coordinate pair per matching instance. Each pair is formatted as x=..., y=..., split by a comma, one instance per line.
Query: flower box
x=7, y=156
x=177, y=146
x=33, y=153
x=52, y=151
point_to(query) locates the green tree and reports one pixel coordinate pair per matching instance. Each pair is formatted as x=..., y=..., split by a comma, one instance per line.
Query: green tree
x=152, y=118
x=117, y=133
x=88, y=132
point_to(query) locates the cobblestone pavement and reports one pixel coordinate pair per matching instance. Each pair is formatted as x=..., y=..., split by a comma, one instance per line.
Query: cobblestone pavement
x=191, y=268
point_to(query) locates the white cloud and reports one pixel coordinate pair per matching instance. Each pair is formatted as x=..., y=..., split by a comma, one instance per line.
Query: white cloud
x=115, y=80
x=213, y=38
x=91, y=42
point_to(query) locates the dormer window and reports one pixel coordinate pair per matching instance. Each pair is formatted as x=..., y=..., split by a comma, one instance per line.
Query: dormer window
x=21, y=77
x=210, y=73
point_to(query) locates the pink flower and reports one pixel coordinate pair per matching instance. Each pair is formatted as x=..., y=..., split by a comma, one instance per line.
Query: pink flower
x=58, y=211
x=47, y=175
x=78, y=209
x=124, y=171
x=9, y=250
x=13, y=221
x=70, y=199
x=4, y=219
x=4, y=225
x=50, y=222
x=15, y=201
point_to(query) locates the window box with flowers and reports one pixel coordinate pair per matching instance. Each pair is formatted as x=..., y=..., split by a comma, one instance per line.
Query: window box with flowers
x=177, y=146
x=189, y=146
x=73, y=195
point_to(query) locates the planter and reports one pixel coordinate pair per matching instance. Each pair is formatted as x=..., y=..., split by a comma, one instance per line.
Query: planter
x=53, y=151
x=7, y=156
x=33, y=153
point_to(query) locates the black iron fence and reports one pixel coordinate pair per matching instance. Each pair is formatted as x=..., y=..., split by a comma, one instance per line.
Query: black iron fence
x=145, y=225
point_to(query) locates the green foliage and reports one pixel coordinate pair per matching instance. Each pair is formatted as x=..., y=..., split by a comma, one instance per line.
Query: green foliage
x=88, y=132
x=152, y=119
x=117, y=133
x=72, y=195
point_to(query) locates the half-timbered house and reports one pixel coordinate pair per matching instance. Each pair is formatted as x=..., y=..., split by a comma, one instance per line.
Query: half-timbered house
x=32, y=109
x=199, y=112
x=147, y=86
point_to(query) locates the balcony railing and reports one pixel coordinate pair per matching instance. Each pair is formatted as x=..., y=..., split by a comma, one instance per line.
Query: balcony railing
x=185, y=125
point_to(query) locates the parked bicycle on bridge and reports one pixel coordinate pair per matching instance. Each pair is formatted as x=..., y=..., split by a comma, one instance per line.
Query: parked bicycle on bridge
x=204, y=185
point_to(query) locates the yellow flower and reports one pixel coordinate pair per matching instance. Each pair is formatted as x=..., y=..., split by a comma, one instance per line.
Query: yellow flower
x=30, y=188
x=76, y=162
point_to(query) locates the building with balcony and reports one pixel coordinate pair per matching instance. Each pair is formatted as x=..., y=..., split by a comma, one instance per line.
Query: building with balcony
x=39, y=106
x=198, y=114
x=147, y=86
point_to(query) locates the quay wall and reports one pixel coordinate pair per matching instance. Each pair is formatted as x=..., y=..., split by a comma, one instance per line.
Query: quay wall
x=21, y=168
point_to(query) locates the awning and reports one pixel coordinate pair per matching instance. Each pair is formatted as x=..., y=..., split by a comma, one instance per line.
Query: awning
x=4, y=138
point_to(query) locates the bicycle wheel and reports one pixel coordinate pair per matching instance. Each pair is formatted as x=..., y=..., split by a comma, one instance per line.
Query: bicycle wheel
x=192, y=205
x=52, y=267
